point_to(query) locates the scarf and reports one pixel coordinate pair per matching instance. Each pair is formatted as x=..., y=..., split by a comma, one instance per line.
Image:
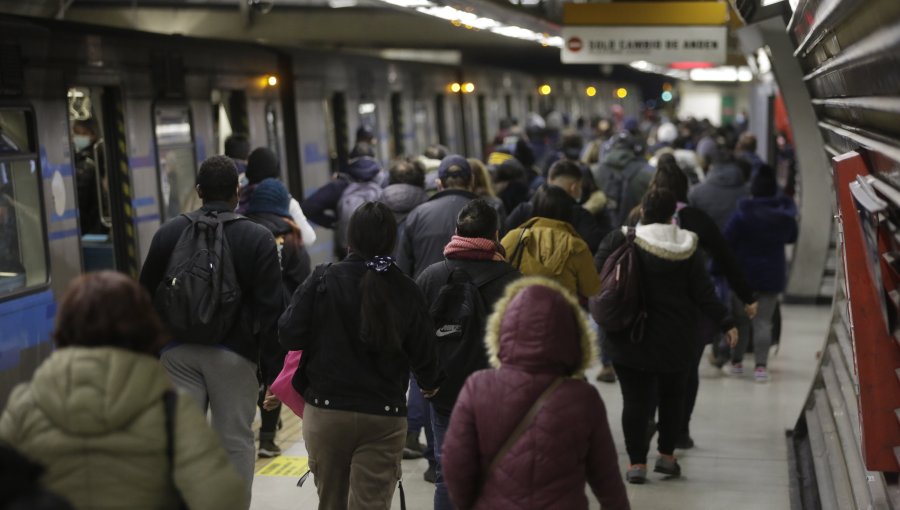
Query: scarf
x=474, y=248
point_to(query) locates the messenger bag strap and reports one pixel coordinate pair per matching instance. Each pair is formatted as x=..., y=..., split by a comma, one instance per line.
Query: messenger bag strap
x=522, y=426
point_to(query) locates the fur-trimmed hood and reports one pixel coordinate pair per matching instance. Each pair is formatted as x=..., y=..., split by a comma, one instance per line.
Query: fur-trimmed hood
x=665, y=241
x=538, y=326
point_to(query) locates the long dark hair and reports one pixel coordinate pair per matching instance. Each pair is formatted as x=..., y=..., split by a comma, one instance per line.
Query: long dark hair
x=669, y=176
x=372, y=233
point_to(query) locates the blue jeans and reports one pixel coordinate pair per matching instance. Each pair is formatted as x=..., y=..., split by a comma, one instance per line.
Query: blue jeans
x=441, y=496
x=418, y=417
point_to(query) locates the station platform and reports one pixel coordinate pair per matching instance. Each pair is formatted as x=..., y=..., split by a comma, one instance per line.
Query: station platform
x=740, y=460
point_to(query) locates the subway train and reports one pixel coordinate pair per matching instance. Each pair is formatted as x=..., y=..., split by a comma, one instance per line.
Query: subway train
x=102, y=131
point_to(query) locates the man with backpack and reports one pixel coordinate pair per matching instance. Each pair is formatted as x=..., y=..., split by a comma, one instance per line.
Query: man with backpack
x=623, y=176
x=460, y=293
x=216, y=283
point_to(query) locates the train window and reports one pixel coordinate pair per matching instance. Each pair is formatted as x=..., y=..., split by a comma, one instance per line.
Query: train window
x=23, y=253
x=272, y=139
x=420, y=122
x=229, y=115
x=440, y=119
x=368, y=119
x=177, y=166
x=397, y=128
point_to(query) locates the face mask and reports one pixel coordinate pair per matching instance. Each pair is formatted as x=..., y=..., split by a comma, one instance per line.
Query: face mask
x=81, y=142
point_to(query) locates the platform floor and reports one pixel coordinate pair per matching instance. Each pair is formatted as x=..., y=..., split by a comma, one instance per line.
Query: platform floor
x=740, y=458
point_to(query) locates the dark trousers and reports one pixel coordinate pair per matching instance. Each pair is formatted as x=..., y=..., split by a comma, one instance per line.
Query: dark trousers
x=639, y=389
x=269, y=419
x=418, y=417
x=441, y=495
x=691, y=390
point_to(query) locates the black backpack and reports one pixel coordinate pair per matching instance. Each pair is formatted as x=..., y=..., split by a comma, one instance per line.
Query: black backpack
x=619, y=305
x=459, y=313
x=199, y=299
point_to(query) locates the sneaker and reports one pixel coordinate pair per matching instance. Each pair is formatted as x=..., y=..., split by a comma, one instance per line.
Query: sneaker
x=413, y=449
x=268, y=449
x=637, y=474
x=736, y=369
x=684, y=442
x=667, y=465
x=430, y=476
x=761, y=374
x=607, y=374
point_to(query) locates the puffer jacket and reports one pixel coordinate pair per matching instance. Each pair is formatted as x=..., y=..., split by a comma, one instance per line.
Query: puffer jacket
x=757, y=233
x=553, y=249
x=676, y=287
x=536, y=334
x=402, y=198
x=719, y=194
x=95, y=418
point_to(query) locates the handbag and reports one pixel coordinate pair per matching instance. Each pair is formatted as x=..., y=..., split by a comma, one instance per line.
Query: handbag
x=283, y=388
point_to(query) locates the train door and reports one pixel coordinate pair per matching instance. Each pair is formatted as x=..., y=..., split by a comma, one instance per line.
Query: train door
x=368, y=122
x=440, y=120
x=175, y=157
x=398, y=141
x=102, y=180
x=421, y=125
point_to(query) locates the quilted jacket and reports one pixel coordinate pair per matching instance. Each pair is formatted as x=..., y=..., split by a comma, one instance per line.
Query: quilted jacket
x=94, y=417
x=536, y=334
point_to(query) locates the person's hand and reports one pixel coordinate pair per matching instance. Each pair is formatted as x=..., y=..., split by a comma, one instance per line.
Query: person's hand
x=751, y=309
x=429, y=393
x=732, y=337
x=271, y=401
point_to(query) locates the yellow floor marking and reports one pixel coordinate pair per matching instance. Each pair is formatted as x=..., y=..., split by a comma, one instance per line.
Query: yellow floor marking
x=285, y=465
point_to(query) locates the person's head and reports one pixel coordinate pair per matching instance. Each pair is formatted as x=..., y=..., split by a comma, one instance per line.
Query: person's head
x=363, y=168
x=666, y=133
x=763, y=183
x=481, y=178
x=84, y=134
x=372, y=230
x=237, y=146
x=262, y=164
x=553, y=202
x=108, y=309
x=571, y=145
x=365, y=134
x=455, y=173
x=478, y=219
x=658, y=206
x=746, y=143
x=567, y=175
x=217, y=181
x=362, y=149
x=669, y=176
x=436, y=151
x=270, y=197
x=407, y=171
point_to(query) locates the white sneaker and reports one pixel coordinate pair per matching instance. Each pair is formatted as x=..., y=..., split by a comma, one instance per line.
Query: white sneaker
x=736, y=369
x=761, y=374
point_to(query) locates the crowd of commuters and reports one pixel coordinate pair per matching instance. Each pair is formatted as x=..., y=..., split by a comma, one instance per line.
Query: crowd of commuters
x=457, y=305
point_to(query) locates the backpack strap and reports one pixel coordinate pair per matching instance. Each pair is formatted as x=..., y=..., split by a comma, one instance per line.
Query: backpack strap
x=519, y=251
x=522, y=426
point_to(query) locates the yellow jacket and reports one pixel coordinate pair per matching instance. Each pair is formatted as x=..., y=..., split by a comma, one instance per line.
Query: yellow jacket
x=554, y=250
x=94, y=417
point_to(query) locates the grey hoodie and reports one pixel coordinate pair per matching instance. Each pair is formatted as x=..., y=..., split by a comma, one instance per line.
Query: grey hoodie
x=401, y=199
x=719, y=194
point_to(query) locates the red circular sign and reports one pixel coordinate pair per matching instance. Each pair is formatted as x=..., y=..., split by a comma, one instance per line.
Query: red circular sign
x=574, y=44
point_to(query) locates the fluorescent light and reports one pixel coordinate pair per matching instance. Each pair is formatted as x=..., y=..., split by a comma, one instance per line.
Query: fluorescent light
x=408, y=3
x=366, y=108
x=341, y=4
x=744, y=74
x=766, y=3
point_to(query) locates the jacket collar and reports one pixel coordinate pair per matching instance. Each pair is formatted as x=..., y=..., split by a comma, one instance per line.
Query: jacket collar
x=216, y=206
x=666, y=241
x=453, y=191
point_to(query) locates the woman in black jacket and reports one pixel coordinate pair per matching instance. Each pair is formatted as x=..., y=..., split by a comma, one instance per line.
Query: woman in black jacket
x=675, y=286
x=362, y=325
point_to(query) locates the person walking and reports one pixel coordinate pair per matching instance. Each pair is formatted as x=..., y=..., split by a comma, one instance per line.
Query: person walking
x=362, y=326
x=531, y=432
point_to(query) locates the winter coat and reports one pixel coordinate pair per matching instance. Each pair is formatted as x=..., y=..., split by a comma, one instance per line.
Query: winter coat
x=255, y=257
x=719, y=194
x=623, y=160
x=428, y=229
x=94, y=416
x=536, y=334
x=340, y=371
x=430, y=281
x=676, y=287
x=321, y=205
x=295, y=261
x=402, y=198
x=583, y=222
x=757, y=233
x=306, y=230
x=553, y=249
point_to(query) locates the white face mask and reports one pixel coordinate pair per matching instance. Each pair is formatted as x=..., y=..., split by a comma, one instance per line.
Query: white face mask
x=81, y=142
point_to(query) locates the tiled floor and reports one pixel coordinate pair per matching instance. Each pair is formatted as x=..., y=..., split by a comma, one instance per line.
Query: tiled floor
x=740, y=461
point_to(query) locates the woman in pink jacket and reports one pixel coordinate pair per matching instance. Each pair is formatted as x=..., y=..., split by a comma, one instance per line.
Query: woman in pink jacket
x=540, y=343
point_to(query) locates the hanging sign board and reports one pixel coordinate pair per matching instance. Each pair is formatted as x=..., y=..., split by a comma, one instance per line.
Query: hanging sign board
x=657, y=45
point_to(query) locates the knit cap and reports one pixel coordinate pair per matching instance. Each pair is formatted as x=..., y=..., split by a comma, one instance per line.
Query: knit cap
x=270, y=196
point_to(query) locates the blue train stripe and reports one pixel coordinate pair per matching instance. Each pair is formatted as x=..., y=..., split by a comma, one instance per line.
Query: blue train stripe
x=68, y=214
x=48, y=169
x=147, y=217
x=26, y=322
x=62, y=234
x=143, y=201
x=147, y=161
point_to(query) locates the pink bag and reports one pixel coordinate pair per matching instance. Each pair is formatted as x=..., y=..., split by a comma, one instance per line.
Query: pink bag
x=284, y=389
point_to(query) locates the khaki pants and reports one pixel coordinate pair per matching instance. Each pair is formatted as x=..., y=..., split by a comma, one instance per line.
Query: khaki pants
x=354, y=457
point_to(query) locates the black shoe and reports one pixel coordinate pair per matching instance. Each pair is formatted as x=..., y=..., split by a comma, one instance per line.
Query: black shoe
x=413, y=449
x=268, y=449
x=684, y=442
x=430, y=476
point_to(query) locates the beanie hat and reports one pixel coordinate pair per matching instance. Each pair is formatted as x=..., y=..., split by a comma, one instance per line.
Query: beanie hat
x=363, y=169
x=262, y=164
x=763, y=183
x=270, y=196
x=666, y=133
x=454, y=165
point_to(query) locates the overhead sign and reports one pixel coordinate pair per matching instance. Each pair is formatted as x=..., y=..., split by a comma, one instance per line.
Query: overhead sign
x=657, y=45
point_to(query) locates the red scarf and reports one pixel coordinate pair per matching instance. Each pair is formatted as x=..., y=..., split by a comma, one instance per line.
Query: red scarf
x=474, y=248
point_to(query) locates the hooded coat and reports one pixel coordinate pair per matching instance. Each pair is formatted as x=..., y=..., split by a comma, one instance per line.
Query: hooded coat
x=321, y=206
x=676, y=287
x=94, y=416
x=719, y=194
x=553, y=249
x=402, y=198
x=757, y=233
x=623, y=160
x=536, y=334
